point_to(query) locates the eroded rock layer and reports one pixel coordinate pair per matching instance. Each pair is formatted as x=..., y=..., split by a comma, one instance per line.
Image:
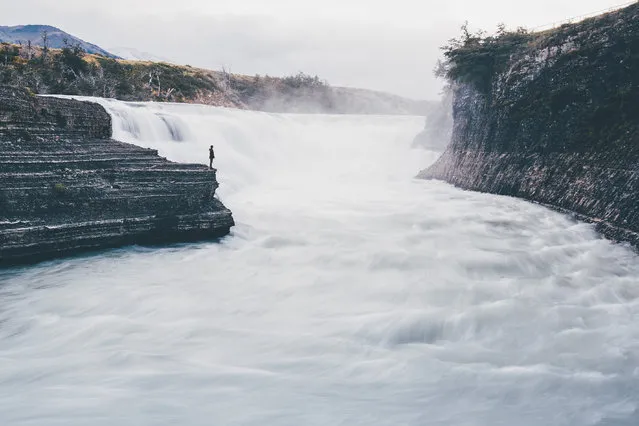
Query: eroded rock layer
x=65, y=186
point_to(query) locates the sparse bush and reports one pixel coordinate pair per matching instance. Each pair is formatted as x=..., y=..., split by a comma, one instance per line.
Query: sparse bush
x=475, y=58
x=8, y=53
x=72, y=71
x=301, y=80
x=72, y=57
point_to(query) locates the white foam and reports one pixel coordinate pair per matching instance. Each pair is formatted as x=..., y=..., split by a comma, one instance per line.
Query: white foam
x=349, y=293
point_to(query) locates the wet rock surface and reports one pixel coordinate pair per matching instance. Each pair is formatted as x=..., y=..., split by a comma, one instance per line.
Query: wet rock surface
x=65, y=186
x=560, y=126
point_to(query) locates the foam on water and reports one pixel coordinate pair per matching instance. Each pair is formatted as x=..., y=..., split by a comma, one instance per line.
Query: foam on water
x=348, y=294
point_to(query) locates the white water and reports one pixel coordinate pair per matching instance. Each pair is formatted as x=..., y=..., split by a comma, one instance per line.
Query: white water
x=348, y=294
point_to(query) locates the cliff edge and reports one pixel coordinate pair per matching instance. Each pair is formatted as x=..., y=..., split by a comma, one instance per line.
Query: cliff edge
x=553, y=118
x=65, y=186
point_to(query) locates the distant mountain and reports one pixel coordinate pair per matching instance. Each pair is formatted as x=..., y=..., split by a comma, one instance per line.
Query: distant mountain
x=55, y=38
x=132, y=54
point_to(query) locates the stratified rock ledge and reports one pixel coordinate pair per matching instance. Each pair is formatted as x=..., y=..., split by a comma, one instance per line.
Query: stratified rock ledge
x=67, y=187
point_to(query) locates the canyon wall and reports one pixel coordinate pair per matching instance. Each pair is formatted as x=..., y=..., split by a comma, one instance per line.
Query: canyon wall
x=554, y=119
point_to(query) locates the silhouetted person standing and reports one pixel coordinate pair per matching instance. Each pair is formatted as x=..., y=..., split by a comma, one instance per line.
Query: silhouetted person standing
x=211, y=157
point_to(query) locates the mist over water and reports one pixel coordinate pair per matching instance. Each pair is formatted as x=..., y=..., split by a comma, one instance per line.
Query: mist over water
x=349, y=293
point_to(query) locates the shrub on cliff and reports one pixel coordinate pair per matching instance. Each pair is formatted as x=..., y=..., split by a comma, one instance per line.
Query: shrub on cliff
x=72, y=57
x=72, y=71
x=302, y=80
x=9, y=53
x=475, y=58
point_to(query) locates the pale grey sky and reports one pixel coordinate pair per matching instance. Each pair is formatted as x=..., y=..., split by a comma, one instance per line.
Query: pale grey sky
x=377, y=44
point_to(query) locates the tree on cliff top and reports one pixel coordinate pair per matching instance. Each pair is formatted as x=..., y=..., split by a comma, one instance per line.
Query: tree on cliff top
x=72, y=57
x=475, y=58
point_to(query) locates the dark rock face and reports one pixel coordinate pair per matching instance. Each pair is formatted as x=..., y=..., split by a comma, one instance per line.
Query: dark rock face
x=65, y=186
x=560, y=126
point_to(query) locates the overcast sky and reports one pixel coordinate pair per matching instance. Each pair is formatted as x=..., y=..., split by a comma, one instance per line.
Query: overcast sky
x=389, y=45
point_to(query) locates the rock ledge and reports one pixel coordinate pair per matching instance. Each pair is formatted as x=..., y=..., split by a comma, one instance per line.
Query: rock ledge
x=66, y=186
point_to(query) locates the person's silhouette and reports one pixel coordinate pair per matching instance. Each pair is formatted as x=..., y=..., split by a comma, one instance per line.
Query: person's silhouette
x=211, y=157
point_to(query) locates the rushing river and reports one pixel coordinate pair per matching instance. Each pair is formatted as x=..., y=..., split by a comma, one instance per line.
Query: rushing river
x=349, y=294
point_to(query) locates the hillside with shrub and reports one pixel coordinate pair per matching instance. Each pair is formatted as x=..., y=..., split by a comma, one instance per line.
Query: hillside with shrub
x=72, y=71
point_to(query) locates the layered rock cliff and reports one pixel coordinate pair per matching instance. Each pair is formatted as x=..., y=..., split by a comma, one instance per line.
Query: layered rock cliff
x=553, y=118
x=65, y=186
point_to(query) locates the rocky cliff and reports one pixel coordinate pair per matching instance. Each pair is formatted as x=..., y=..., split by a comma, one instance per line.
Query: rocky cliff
x=553, y=118
x=65, y=186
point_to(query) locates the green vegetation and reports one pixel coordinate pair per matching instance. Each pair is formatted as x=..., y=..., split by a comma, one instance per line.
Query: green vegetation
x=573, y=87
x=476, y=59
x=301, y=80
x=263, y=92
x=72, y=71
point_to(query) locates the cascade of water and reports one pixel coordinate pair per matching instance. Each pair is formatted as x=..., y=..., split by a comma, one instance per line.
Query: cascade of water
x=348, y=293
